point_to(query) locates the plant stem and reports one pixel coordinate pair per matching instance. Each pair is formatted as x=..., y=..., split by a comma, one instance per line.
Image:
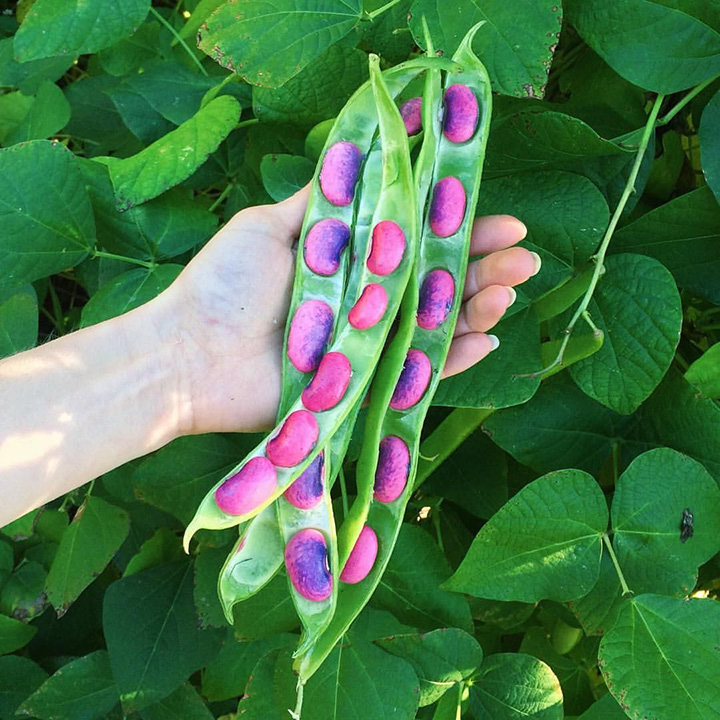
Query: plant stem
x=57, y=309
x=245, y=123
x=221, y=197
x=295, y=714
x=381, y=10
x=343, y=492
x=626, y=590
x=668, y=116
x=178, y=39
x=134, y=261
x=600, y=255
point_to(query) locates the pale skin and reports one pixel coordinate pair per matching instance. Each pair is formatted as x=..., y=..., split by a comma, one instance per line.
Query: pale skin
x=204, y=356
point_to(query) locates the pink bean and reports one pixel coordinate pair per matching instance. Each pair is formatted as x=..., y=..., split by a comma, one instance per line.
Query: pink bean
x=294, y=441
x=306, y=492
x=413, y=381
x=306, y=560
x=461, y=113
x=362, y=557
x=324, y=245
x=388, y=246
x=447, y=208
x=310, y=332
x=436, y=299
x=248, y=488
x=329, y=384
x=393, y=469
x=339, y=173
x=411, y=113
x=369, y=308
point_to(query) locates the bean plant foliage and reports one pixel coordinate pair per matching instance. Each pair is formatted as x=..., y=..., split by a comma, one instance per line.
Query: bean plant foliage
x=560, y=556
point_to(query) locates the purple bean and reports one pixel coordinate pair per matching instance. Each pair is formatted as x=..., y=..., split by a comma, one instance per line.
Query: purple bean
x=306, y=560
x=329, y=384
x=324, y=245
x=369, y=308
x=461, y=113
x=339, y=173
x=306, y=492
x=413, y=381
x=294, y=441
x=436, y=299
x=248, y=488
x=393, y=469
x=362, y=557
x=310, y=332
x=411, y=113
x=388, y=246
x=447, y=208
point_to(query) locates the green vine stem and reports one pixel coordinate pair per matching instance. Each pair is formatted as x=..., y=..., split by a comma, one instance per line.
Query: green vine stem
x=113, y=256
x=625, y=589
x=178, y=39
x=668, y=116
x=372, y=15
x=218, y=201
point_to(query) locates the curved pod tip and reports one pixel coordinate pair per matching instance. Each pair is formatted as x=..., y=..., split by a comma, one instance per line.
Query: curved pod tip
x=362, y=557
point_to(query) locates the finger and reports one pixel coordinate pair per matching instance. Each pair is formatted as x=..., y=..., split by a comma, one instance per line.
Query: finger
x=484, y=310
x=291, y=211
x=504, y=267
x=465, y=351
x=495, y=232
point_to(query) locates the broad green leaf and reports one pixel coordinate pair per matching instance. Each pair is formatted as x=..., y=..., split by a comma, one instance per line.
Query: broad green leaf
x=23, y=527
x=658, y=48
x=58, y=27
x=511, y=686
x=683, y=235
x=201, y=12
x=14, y=108
x=48, y=113
x=19, y=678
x=387, y=35
x=516, y=67
x=7, y=561
x=183, y=704
x=267, y=613
x=208, y=564
x=28, y=76
x=150, y=41
x=45, y=212
x=163, y=547
x=316, y=93
x=506, y=616
x=140, y=117
x=410, y=587
x=81, y=690
x=545, y=542
x=647, y=510
x=128, y=291
x=704, y=373
x=709, y=136
x=606, y=708
x=637, y=305
x=440, y=658
x=175, y=157
x=14, y=634
x=284, y=175
x=23, y=597
x=267, y=43
x=152, y=634
x=18, y=319
x=661, y=660
x=597, y=610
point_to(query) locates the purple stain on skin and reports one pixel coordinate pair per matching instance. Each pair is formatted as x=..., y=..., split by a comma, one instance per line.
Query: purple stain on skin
x=393, y=469
x=248, y=488
x=362, y=558
x=329, y=384
x=294, y=441
x=309, y=334
x=369, y=308
x=447, y=209
x=324, y=245
x=339, y=173
x=411, y=114
x=306, y=560
x=461, y=113
x=436, y=299
x=413, y=381
x=388, y=246
x=306, y=492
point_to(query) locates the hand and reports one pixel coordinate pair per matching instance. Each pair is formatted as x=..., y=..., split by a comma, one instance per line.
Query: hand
x=229, y=308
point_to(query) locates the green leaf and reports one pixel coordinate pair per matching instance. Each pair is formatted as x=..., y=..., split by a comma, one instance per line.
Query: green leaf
x=183, y=704
x=175, y=157
x=683, y=235
x=661, y=660
x=163, y=547
x=709, y=137
x=44, y=211
x=28, y=76
x=14, y=634
x=316, y=93
x=440, y=658
x=410, y=587
x=284, y=175
x=81, y=690
x=545, y=542
x=88, y=545
x=128, y=291
x=269, y=43
x=14, y=108
x=270, y=692
x=387, y=35
x=658, y=48
x=48, y=113
x=704, y=373
x=152, y=634
x=54, y=27
x=267, y=613
x=208, y=564
x=606, y=708
x=150, y=41
x=19, y=677
x=511, y=686
x=597, y=610
x=647, y=510
x=18, y=319
x=517, y=55
x=23, y=597
x=7, y=561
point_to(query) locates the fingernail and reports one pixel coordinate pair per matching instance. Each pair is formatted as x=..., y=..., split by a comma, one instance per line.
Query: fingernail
x=495, y=340
x=538, y=262
x=524, y=227
x=512, y=294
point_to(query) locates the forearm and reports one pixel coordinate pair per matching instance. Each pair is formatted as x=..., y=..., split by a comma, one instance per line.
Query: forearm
x=81, y=405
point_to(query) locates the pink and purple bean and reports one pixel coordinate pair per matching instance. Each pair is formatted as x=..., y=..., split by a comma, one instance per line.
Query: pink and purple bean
x=309, y=334
x=294, y=441
x=369, y=308
x=461, y=113
x=413, y=380
x=411, y=114
x=437, y=293
x=387, y=249
x=324, y=245
x=248, y=488
x=329, y=383
x=306, y=560
x=447, y=208
x=393, y=469
x=339, y=172
x=362, y=557
x=306, y=492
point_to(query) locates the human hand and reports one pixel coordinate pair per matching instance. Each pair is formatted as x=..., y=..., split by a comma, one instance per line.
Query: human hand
x=229, y=307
